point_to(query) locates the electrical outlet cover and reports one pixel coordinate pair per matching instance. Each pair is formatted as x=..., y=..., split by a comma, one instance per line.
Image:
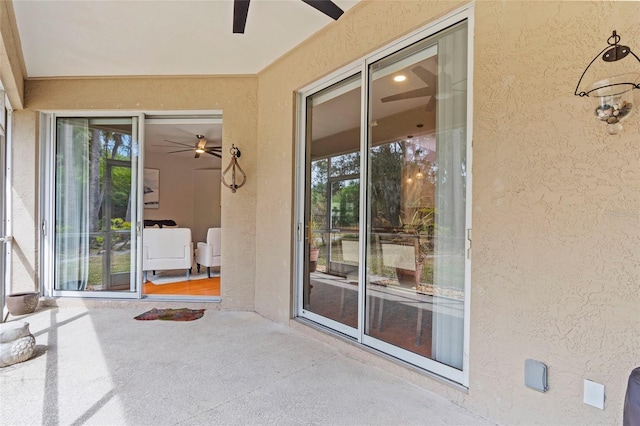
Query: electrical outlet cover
x=535, y=375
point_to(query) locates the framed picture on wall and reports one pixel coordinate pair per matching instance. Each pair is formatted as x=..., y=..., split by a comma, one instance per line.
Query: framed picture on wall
x=151, y=188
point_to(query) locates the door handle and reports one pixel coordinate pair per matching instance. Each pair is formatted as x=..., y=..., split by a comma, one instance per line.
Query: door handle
x=6, y=239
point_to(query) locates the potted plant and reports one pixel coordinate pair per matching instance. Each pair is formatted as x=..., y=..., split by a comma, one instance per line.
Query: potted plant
x=419, y=229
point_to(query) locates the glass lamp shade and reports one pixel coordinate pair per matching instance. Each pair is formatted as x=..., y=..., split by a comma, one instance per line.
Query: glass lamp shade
x=614, y=100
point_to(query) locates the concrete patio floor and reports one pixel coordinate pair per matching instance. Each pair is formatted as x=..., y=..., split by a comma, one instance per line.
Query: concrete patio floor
x=99, y=366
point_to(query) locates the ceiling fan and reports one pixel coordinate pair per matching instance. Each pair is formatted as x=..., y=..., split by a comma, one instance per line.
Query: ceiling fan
x=200, y=147
x=429, y=78
x=241, y=9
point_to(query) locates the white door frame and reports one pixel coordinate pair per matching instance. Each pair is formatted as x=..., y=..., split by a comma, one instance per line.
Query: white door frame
x=5, y=203
x=459, y=376
x=47, y=193
x=47, y=183
x=170, y=117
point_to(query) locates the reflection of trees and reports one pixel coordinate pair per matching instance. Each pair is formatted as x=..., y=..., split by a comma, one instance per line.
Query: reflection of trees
x=93, y=202
x=346, y=164
x=104, y=146
x=82, y=166
x=345, y=203
x=385, y=183
x=386, y=168
x=95, y=193
x=319, y=175
x=335, y=191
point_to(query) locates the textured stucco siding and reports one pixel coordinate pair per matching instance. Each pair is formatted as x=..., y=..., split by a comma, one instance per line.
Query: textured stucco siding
x=24, y=195
x=556, y=202
x=556, y=205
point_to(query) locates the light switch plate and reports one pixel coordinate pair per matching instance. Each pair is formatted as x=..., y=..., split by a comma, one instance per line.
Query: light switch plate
x=594, y=394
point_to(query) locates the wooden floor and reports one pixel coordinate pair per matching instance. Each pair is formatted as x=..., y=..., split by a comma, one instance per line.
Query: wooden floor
x=203, y=287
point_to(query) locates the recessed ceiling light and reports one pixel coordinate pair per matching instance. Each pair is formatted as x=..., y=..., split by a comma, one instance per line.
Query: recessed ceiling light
x=399, y=78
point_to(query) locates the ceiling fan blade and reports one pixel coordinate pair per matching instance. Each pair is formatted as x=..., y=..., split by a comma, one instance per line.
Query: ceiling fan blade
x=327, y=7
x=182, y=150
x=240, y=11
x=197, y=155
x=214, y=154
x=178, y=143
x=417, y=93
x=213, y=148
x=425, y=75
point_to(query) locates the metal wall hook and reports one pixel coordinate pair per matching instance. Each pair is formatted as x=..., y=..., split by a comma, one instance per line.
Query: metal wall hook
x=234, y=151
x=614, y=39
x=233, y=164
x=613, y=52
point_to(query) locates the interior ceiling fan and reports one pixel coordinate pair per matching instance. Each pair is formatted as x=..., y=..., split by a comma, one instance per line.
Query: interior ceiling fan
x=429, y=78
x=200, y=147
x=241, y=9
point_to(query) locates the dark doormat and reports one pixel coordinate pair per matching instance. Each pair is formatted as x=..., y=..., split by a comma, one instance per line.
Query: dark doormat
x=182, y=314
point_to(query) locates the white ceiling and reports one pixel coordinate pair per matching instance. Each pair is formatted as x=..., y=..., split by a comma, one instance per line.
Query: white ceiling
x=71, y=38
x=94, y=38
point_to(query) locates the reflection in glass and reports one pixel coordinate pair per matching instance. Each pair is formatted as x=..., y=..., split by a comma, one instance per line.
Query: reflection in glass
x=416, y=203
x=95, y=204
x=333, y=202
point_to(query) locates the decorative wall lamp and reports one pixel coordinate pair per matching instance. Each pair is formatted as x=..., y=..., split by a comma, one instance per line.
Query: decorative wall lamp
x=613, y=95
x=235, y=154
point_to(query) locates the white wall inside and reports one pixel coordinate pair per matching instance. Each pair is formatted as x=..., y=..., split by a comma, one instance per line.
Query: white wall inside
x=206, y=202
x=182, y=196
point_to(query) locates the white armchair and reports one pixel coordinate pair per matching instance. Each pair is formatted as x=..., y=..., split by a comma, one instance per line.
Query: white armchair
x=208, y=254
x=164, y=249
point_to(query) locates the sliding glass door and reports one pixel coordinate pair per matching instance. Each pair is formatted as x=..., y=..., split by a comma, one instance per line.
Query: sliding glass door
x=96, y=205
x=386, y=202
x=417, y=203
x=330, y=292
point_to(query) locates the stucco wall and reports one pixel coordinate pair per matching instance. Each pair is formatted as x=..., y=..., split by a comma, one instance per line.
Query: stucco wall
x=24, y=160
x=235, y=96
x=24, y=198
x=206, y=202
x=556, y=204
x=556, y=214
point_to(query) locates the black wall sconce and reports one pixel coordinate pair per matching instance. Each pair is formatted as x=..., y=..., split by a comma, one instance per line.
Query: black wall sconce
x=614, y=94
x=233, y=165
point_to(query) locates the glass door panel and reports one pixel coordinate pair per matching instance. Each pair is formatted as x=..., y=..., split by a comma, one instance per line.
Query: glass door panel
x=417, y=199
x=330, y=289
x=95, y=204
